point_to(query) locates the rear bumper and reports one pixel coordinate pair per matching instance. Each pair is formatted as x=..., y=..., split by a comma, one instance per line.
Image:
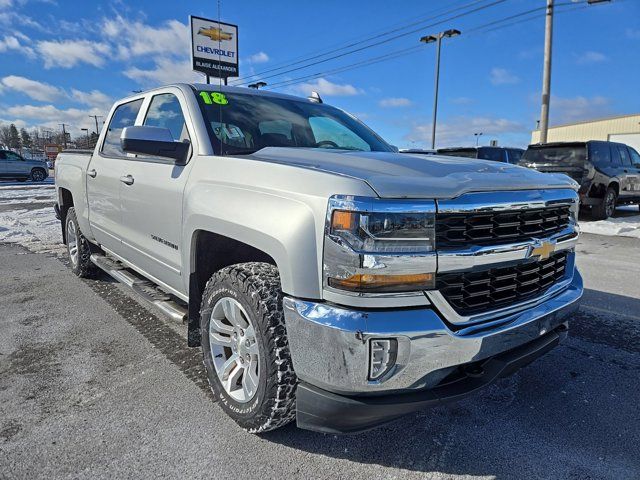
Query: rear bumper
x=323, y=411
x=330, y=347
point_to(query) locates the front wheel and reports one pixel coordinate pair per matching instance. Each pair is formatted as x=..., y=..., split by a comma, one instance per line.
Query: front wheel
x=37, y=175
x=245, y=347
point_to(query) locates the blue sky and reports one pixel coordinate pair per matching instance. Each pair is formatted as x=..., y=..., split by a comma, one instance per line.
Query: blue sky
x=62, y=60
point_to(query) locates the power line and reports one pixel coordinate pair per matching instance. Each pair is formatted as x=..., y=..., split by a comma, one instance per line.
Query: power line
x=407, y=51
x=477, y=9
x=302, y=59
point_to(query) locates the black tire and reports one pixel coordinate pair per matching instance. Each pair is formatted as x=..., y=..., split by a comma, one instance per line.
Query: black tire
x=256, y=287
x=605, y=209
x=38, y=175
x=81, y=265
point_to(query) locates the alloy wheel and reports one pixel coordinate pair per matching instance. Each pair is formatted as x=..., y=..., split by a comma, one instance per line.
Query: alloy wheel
x=234, y=349
x=72, y=242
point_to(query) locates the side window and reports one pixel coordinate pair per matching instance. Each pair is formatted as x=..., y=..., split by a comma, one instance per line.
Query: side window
x=2, y=156
x=124, y=116
x=327, y=130
x=635, y=157
x=13, y=156
x=599, y=154
x=165, y=111
x=624, y=155
x=494, y=154
x=615, y=156
x=514, y=155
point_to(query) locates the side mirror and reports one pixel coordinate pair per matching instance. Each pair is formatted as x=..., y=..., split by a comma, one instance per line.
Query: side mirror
x=153, y=141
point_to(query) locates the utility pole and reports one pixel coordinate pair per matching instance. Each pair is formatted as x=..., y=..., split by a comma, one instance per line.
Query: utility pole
x=96, y=117
x=64, y=135
x=438, y=39
x=546, y=73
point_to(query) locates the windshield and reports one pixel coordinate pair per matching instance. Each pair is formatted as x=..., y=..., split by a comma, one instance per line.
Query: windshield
x=243, y=123
x=562, y=155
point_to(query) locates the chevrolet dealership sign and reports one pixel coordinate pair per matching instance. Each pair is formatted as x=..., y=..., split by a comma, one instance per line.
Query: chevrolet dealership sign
x=214, y=47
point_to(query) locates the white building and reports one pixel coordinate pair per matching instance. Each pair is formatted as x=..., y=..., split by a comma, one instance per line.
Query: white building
x=622, y=128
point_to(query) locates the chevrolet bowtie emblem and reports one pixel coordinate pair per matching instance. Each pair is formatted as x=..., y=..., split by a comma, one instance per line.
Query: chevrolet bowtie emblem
x=542, y=250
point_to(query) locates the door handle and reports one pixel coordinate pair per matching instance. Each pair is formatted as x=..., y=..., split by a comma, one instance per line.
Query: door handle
x=127, y=179
x=92, y=173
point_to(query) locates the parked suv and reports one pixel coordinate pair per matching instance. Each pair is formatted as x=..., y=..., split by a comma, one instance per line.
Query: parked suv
x=13, y=165
x=498, y=154
x=608, y=172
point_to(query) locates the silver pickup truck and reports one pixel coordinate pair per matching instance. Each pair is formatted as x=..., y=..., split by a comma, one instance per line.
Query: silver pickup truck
x=327, y=278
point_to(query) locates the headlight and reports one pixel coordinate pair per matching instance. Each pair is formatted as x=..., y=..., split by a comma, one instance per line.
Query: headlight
x=379, y=246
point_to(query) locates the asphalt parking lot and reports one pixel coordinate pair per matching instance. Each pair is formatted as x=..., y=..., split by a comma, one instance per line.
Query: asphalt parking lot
x=93, y=385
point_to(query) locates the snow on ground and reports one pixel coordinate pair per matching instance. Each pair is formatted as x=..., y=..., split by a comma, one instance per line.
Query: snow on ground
x=625, y=223
x=23, y=221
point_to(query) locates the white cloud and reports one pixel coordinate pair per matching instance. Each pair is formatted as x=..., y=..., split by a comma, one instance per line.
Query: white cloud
x=502, y=76
x=578, y=108
x=395, y=102
x=134, y=38
x=32, y=88
x=590, y=57
x=459, y=131
x=462, y=100
x=12, y=42
x=51, y=116
x=69, y=53
x=325, y=87
x=94, y=98
x=165, y=71
x=259, y=57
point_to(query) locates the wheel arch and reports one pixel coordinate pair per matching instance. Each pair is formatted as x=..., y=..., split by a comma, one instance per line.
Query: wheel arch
x=65, y=202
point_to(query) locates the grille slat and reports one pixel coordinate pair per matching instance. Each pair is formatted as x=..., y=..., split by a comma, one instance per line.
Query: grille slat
x=471, y=293
x=459, y=230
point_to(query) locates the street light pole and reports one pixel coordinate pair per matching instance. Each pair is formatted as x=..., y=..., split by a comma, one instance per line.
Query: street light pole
x=438, y=39
x=546, y=73
x=477, y=135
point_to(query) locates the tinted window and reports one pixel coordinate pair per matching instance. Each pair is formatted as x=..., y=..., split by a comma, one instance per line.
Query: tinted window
x=624, y=155
x=615, y=156
x=124, y=116
x=165, y=112
x=494, y=154
x=2, y=156
x=557, y=155
x=243, y=123
x=599, y=153
x=515, y=154
x=635, y=157
x=12, y=156
x=463, y=152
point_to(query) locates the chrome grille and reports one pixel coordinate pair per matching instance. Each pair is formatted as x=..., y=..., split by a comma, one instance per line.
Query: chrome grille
x=460, y=230
x=471, y=293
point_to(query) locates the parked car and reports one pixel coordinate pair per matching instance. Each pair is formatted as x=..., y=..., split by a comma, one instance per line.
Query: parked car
x=608, y=172
x=418, y=151
x=498, y=154
x=326, y=277
x=14, y=166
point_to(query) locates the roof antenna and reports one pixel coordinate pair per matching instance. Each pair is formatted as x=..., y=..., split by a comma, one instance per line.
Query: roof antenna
x=314, y=97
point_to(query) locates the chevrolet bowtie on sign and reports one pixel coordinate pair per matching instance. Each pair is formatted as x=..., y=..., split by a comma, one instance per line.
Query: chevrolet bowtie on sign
x=543, y=250
x=214, y=47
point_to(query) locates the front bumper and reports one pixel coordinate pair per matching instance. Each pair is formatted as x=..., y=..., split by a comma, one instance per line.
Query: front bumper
x=330, y=351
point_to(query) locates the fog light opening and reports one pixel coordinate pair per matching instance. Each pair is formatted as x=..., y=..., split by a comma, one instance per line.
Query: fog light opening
x=382, y=356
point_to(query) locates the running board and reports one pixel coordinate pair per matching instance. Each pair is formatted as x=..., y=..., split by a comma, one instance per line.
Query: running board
x=147, y=290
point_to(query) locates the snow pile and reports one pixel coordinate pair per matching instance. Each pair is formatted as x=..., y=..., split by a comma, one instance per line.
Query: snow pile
x=624, y=224
x=37, y=229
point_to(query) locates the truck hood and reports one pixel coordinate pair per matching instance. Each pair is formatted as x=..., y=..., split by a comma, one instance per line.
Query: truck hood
x=401, y=175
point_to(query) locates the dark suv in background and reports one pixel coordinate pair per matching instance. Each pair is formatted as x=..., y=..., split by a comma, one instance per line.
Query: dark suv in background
x=608, y=172
x=498, y=154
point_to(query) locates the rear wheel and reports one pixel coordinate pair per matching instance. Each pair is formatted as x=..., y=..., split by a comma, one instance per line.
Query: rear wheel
x=607, y=207
x=78, y=247
x=245, y=347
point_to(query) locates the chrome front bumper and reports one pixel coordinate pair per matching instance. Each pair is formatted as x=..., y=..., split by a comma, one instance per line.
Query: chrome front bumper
x=330, y=344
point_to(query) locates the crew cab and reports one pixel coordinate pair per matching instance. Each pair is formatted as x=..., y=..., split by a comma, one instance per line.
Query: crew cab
x=327, y=278
x=608, y=172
